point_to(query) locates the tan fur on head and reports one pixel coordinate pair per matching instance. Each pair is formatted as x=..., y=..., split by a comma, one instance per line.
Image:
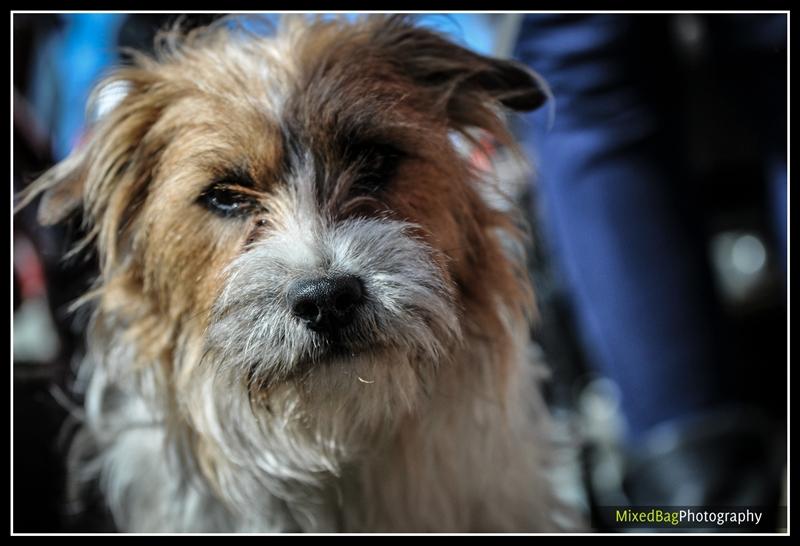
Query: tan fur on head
x=237, y=166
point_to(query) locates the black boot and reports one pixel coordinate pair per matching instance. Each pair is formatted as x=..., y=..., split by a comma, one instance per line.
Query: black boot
x=730, y=459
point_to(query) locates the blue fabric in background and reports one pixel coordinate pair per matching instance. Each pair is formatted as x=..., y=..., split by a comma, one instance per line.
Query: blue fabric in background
x=70, y=64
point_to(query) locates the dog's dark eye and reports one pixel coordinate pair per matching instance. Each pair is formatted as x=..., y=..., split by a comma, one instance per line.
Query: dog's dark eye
x=376, y=165
x=225, y=201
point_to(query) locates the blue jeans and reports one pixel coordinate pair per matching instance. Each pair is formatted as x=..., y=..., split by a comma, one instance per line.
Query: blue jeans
x=616, y=206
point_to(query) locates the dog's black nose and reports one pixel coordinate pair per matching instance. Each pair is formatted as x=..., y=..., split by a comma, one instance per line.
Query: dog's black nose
x=326, y=304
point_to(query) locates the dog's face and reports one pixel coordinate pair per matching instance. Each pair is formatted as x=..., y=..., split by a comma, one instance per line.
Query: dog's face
x=290, y=214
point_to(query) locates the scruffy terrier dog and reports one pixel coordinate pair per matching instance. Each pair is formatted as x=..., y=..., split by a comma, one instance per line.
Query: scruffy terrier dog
x=308, y=315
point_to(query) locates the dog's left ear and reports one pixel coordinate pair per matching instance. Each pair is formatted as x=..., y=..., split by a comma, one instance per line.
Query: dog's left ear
x=460, y=74
x=511, y=83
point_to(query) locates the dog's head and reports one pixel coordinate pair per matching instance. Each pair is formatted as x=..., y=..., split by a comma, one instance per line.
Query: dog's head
x=290, y=214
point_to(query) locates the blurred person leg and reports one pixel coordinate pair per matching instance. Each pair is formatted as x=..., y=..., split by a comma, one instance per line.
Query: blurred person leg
x=617, y=211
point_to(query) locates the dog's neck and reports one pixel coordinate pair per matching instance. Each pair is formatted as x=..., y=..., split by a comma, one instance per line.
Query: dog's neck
x=422, y=479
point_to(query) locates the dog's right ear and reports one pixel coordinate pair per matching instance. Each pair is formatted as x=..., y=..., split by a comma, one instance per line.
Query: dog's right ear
x=61, y=189
x=62, y=186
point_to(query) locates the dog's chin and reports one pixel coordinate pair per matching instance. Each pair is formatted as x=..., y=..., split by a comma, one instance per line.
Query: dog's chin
x=336, y=354
x=361, y=386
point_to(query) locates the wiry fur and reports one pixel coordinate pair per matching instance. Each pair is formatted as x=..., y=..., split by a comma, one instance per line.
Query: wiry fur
x=209, y=407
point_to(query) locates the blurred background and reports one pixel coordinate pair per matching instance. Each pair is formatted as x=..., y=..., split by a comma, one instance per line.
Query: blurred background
x=658, y=205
